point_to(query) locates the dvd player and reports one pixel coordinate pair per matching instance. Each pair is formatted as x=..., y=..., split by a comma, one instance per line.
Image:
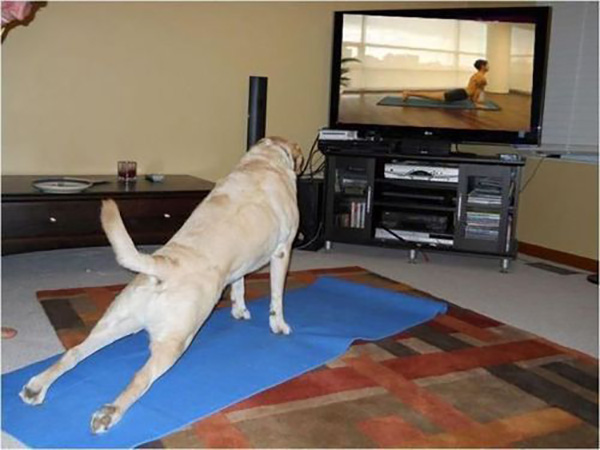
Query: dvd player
x=413, y=236
x=401, y=171
x=337, y=135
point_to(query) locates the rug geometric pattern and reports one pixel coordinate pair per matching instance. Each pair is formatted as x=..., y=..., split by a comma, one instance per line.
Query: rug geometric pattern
x=461, y=380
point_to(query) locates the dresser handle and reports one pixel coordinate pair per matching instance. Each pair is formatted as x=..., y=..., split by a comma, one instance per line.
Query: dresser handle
x=167, y=215
x=53, y=219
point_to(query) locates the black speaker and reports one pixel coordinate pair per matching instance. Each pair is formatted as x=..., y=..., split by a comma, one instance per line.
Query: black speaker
x=310, y=203
x=257, y=110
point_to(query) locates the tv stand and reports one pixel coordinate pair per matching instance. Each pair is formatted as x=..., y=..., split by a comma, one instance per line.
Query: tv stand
x=463, y=204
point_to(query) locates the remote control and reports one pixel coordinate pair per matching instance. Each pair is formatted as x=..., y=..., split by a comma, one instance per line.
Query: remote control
x=155, y=177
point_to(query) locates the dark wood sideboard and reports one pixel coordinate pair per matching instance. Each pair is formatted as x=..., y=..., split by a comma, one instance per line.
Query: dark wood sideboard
x=152, y=212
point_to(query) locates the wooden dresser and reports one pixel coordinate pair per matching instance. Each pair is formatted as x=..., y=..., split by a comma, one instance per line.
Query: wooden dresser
x=152, y=212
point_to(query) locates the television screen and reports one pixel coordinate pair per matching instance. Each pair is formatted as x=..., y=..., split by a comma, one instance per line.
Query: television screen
x=464, y=75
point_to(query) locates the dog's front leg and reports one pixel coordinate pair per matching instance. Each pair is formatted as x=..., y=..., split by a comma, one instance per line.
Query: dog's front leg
x=163, y=355
x=238, y=303
x=279, y=266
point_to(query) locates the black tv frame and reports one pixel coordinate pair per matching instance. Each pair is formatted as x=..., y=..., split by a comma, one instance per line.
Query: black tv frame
x=540, y=15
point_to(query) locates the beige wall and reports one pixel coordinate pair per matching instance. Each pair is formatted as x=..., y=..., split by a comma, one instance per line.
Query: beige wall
x=559, y=207
x=165, y=84
x=87, y=84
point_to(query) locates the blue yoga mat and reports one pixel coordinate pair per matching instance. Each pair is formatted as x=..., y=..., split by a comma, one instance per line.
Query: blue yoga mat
x=227, y=362
x=417, y=102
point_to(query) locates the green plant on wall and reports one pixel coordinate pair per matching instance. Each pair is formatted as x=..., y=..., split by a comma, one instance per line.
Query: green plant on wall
x=344, y=69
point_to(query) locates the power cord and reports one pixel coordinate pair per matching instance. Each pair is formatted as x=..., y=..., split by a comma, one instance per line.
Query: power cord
x=401, y=239
x=315, y=237
x=308, y=162
x=542, y=158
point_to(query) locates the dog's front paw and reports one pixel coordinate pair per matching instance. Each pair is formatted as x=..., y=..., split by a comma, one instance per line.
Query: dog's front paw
x=105, y=418
x=278, y=325
x=32, y=394
x=240, y=313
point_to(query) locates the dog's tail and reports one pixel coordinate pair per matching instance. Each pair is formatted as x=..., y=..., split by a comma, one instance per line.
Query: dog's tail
x=125, y=251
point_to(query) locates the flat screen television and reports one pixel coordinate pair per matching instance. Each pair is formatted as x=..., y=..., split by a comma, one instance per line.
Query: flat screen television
x=460, y=75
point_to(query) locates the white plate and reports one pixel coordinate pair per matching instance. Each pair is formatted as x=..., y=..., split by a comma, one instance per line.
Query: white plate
x=62, y=185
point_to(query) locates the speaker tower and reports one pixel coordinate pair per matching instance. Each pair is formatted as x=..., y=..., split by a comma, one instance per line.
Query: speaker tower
x=257, y=110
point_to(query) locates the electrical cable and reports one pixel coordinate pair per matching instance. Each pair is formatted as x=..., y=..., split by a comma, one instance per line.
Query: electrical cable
x=310, y=156
x=414, y=246
x=318, y=170
x=315, y=237
x=309, y=166
x=542, y=158
x=309, y=163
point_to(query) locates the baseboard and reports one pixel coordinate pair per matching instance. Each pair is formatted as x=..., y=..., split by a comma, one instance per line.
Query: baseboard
x=580, y=262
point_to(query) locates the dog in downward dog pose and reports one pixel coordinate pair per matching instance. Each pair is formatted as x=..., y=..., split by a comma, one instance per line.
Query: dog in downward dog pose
x=249, y=219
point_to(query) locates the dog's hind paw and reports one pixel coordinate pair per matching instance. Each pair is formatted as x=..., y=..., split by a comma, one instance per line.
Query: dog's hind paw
x=32, y=395
x=104, y=418
x=240, y=313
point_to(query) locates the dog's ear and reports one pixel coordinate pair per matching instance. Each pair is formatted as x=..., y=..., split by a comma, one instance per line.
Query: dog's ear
x=291, y=149
x=295, y=153
x=298, y=158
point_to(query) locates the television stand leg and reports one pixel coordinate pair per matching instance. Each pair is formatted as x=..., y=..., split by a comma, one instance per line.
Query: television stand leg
x=327, y=245
x=412, y=256
x=504, y=265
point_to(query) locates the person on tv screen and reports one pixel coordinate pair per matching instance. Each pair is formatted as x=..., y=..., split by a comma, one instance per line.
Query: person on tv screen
x=472, y=92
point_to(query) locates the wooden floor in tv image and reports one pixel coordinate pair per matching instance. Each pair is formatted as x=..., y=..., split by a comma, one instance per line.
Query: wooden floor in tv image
x=362, y=108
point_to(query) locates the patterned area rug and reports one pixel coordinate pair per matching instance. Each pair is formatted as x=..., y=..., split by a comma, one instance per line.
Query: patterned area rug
x=461, y=380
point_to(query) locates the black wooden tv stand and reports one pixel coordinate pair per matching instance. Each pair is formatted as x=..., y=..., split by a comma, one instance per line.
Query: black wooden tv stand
x=456, y=203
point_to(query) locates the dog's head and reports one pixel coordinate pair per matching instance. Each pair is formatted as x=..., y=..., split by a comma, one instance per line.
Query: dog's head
x=292, y=151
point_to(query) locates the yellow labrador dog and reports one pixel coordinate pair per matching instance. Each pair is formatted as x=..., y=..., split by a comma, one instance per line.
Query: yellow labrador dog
x=248, y=220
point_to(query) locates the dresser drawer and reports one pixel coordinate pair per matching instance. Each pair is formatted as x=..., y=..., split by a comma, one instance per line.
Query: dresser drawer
x=165, y=215
x=59, y=218
x=79, y=218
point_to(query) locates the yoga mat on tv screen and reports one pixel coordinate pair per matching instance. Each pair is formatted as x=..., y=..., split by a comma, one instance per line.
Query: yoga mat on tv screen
x=417, y=102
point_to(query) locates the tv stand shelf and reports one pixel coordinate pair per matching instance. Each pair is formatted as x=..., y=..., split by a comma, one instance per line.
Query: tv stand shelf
x=473, y=213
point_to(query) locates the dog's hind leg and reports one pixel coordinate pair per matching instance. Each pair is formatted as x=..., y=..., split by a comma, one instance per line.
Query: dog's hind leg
x=172, y=323
x=163, y=355
x=111, y=327
x=279, y=266
x=238, y=303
